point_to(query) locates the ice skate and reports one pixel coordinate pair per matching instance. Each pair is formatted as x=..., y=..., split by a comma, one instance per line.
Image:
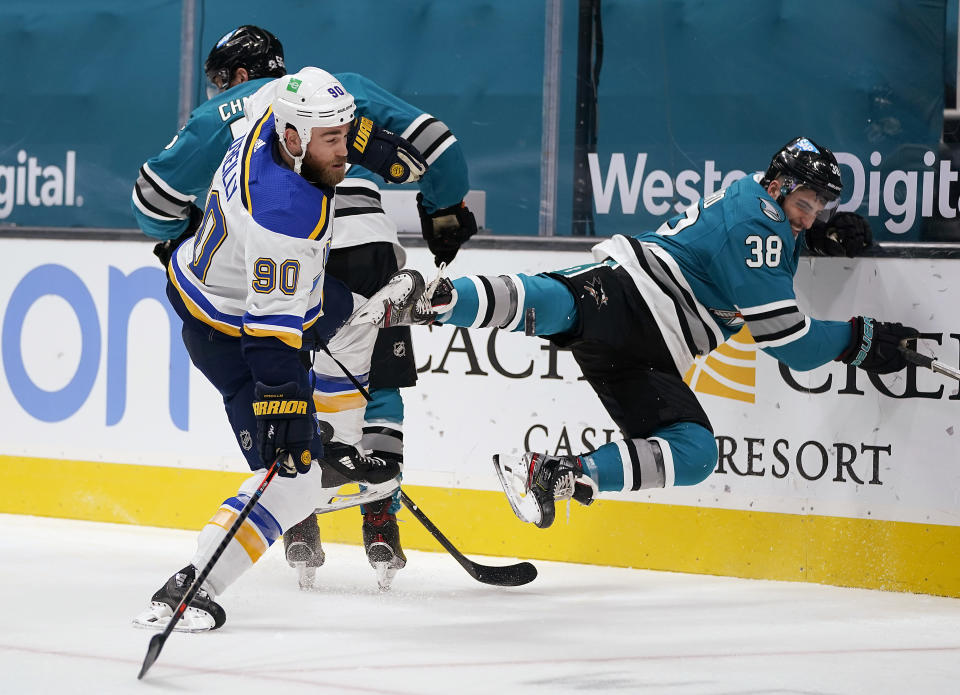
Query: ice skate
x=301, y=543
x=202, y=614
x=535, y=481
x=381, y=541
x=405, y=301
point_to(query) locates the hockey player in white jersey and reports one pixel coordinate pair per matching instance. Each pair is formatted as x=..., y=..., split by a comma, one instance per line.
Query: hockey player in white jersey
x=247, y=288
x=635, y=319
x=365, y=251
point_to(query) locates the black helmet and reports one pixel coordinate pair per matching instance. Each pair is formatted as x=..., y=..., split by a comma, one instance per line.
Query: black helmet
x=802, y=162
x=256, y=50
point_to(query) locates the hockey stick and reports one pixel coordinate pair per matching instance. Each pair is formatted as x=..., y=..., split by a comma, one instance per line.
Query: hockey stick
x=506, y=575
x=930, y=363
x=157, y=641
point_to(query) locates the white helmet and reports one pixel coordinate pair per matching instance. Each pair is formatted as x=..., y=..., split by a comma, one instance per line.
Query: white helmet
x=311, y=98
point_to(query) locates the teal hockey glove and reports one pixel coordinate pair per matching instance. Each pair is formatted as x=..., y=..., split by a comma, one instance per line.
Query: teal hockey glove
x=875, y=345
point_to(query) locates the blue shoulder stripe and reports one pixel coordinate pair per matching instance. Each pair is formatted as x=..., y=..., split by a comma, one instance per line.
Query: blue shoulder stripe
x=277, y=198
x=245, y=159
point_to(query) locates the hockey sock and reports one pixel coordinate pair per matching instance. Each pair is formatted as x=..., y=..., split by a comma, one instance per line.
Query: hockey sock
x=257, y=533
x=626, y=464
x=383, y=432
x=683, y=453
x=502, y=301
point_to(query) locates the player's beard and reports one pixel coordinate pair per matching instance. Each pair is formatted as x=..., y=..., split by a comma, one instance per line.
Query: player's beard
x=324, y=175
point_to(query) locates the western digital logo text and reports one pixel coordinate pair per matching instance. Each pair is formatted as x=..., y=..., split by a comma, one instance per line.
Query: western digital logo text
x=897, y=195
x=37, y=185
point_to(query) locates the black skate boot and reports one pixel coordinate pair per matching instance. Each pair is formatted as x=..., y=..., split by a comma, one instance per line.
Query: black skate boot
x=536, y=481
x=381, y=541
x=301, y=543
x=202, y=614
x=349, y=462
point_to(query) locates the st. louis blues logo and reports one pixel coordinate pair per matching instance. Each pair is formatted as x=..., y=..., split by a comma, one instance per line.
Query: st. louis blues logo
x=770, y=210
x=595, y=289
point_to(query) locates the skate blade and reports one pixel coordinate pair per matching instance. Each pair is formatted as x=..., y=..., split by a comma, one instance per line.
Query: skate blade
x=158, y=616
x=513, y=479
x=385, y=575
x=343, y=497
x=305, y=575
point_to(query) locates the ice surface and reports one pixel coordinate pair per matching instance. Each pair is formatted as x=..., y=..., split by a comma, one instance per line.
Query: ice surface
x=70, y=588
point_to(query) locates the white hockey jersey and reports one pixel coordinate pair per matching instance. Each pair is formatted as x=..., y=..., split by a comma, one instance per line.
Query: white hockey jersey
x=257, y=264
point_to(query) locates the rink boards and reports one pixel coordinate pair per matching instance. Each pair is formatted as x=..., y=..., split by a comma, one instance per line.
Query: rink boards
x=828, y=476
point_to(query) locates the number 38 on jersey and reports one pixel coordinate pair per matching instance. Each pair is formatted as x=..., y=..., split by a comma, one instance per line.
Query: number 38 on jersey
x=764, y=251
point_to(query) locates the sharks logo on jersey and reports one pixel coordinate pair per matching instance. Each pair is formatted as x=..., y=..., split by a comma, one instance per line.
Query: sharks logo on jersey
x=770, y=210
x=595, y=289
x=729, y=318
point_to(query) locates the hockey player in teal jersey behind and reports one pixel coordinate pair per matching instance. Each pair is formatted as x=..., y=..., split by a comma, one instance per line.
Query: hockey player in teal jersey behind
x=636, y=318
x=241, y=69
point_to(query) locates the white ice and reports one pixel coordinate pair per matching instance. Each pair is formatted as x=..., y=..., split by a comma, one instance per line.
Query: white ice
x=70, y=588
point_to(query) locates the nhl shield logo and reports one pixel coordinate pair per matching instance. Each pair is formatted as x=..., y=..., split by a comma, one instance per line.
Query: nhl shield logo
x=246, y=441
x=399, y=349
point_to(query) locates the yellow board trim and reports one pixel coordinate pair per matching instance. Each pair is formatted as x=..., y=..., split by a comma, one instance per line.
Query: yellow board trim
x=867, y=553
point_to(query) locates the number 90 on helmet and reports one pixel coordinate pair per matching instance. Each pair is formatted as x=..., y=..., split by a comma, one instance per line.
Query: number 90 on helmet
x=804, y=163
x=311, y=98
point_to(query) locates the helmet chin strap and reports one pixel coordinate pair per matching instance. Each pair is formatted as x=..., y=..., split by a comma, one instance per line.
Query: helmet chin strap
x=297, y=160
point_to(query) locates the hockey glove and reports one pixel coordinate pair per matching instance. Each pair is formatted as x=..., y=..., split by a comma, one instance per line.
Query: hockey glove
x=446, y=230
x=165, y=249
x=285, y=424
x=383, y=152
x=846, y=234
x=875, y=345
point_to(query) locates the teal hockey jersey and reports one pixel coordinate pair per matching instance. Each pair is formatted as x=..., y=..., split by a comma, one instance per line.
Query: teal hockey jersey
x=172, y=180
x=180, y=174
x=729, y=259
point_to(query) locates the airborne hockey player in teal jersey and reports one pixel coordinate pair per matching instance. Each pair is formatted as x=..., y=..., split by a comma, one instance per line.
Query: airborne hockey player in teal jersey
x=365, y=251
x=635, y=319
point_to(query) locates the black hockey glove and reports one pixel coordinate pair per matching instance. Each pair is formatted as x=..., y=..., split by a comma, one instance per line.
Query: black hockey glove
x=846, y=234
x=445, y=230
x=383, y=152
x=350, y=463
x=165, y=249
x=284, y=424
x=875, y=345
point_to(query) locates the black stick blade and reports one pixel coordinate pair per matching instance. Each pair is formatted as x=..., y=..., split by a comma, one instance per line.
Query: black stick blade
x=509, y=575
x=153, y=651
